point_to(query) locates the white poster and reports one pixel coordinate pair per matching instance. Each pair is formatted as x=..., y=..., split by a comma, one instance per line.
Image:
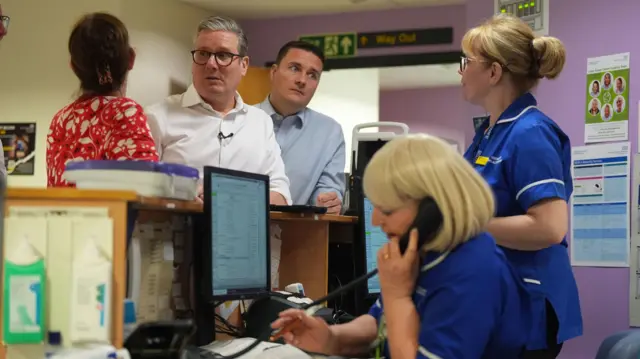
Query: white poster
x=600, y=205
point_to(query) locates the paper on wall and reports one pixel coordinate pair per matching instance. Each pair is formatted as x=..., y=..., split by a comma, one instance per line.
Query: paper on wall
x=600, y=232
x=607, y=105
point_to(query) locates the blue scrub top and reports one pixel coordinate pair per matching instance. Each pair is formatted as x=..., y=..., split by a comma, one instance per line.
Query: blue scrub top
x=525, y=157
x=472, y=305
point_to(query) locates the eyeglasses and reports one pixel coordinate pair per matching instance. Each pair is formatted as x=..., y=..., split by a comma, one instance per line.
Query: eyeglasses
x=224, y=59
x=5, y=22
x=464, y=62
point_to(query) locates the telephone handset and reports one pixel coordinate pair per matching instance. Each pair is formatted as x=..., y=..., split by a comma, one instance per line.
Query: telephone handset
x=428, y=221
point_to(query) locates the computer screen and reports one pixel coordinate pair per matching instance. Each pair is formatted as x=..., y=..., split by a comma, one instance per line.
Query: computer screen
x=239, y=236
x=375, y=238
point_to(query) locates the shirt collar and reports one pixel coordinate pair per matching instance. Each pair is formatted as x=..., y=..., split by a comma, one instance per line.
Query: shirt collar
x=432, y=259
x=267, y=107
x=517, y=108
x=521, y=105
x=191, y=98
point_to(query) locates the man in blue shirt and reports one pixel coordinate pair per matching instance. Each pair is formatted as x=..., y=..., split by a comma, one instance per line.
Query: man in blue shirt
x=312, y=144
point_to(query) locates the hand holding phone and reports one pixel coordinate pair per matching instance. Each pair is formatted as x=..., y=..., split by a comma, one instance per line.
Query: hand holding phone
x=398, y=271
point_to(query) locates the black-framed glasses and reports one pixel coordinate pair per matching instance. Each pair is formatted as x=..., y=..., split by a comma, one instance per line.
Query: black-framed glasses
x=223, y=58
x=5, y=22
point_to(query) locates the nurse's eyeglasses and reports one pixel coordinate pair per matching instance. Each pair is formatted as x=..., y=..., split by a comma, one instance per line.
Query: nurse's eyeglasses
x=464, y=62
x=223, y=58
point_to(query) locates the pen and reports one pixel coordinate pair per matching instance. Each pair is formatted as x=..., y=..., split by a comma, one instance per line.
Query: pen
x=293, y=324
x=286, y=328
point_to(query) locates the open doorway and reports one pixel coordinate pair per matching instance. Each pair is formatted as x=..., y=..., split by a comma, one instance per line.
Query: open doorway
x=395, y=94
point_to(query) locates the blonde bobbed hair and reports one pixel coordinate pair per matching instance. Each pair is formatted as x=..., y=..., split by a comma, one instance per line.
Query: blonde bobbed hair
x=420, y=166
x=510, y=42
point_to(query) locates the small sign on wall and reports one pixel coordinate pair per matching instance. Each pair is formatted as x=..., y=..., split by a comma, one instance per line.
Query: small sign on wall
x=19, y=147
x=334, y=45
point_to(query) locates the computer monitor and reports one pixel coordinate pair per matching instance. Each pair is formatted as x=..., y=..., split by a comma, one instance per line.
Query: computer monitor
x=237, y=250
x=374, y=239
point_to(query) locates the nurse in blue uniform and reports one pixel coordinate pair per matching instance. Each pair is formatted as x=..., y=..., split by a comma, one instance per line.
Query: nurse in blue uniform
x=453, y=297
x=525, y=157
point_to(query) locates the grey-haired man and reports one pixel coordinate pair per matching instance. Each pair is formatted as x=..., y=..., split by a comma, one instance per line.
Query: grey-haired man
x=209, y=124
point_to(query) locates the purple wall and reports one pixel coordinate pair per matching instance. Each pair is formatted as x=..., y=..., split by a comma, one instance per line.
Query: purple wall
x=267, y=36
x=604, y=292
x=423, y=111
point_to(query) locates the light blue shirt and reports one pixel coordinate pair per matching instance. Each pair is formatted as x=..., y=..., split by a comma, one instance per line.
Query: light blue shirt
x=313, y=150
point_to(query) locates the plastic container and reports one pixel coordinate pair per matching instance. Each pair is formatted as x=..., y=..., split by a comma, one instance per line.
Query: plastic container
x=150, y=179
x=24, y=293
x=91, y=297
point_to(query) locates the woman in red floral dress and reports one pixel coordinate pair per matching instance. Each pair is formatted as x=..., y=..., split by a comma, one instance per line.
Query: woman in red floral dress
x=102, y=123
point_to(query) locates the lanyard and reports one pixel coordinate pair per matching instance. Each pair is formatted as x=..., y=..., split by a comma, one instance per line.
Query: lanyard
x=487, y=134
x=381, y=337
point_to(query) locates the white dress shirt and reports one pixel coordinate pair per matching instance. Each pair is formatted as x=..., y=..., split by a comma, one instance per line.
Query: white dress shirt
x=186, y=129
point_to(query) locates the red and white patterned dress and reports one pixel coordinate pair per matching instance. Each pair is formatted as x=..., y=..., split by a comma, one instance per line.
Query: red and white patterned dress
x=97, y=128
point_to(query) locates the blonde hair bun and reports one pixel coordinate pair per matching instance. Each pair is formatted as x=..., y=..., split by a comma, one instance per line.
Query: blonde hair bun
x=511, y=42
x=552, y=56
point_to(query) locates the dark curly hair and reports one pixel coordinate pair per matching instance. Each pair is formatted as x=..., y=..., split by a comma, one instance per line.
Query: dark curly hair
x=100, y=53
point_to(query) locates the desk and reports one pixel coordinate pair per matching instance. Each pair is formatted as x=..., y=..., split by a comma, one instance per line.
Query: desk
x=305, y=238
x=304, y=256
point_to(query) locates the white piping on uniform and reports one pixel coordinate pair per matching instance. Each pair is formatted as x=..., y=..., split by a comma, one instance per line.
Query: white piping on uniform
x=536, y=183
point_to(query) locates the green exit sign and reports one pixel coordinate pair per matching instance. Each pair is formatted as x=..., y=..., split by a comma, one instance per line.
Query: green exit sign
x=334, y=45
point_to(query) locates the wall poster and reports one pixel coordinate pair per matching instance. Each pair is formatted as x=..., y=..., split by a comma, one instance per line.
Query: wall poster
x=19, y=146
x=600, y=211
x=607, y=107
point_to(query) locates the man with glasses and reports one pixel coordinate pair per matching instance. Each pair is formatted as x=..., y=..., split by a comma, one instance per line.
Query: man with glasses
x=4, y=24
x=209, y=124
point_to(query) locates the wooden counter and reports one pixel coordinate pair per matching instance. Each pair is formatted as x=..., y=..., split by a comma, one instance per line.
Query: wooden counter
x=305, y=240
x=304, y=251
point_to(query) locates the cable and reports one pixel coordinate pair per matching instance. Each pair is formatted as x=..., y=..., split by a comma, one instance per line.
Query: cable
x=337, y=307
x=309, y=309
x=223, y=326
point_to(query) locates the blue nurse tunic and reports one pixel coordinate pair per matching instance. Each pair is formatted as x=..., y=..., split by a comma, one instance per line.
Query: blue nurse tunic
x=525, y=157
x=471, y=306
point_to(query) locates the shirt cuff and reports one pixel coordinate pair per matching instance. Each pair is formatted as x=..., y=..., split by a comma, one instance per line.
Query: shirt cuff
x=284, y=192
x=539, y=190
